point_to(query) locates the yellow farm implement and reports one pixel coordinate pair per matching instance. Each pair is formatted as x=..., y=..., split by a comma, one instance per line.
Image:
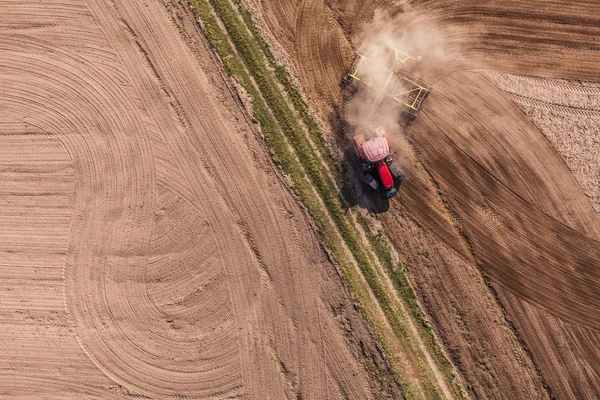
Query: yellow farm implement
x=392, y=78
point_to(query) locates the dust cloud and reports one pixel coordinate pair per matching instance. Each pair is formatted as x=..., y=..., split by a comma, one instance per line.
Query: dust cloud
x=407, y=37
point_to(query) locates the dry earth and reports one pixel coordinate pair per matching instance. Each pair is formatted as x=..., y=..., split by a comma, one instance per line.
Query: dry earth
x=148, y=248
x=486, y=192
x=568, y=114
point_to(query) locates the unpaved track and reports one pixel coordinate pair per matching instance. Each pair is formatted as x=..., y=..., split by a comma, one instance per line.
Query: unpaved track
x=148, y=246
x=516, y=210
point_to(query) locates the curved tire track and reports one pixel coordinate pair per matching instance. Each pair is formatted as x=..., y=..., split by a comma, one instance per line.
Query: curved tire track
x=190, y=270
x=541, y=241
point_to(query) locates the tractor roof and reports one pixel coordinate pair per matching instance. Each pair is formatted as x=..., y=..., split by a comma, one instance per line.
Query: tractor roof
x=376, y=149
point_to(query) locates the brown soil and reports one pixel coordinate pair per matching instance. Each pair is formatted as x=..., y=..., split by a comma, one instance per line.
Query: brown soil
x=487, y=193
x=568, y=114
x=148, y=247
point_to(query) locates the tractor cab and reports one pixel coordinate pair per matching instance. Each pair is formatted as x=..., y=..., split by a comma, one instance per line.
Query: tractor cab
x=376, y=149
x=381, y=172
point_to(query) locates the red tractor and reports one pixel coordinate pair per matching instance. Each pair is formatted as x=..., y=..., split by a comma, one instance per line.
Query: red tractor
x=381, y=172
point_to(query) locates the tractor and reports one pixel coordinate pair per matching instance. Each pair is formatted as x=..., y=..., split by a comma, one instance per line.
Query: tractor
x=387, y=78
x=382, y=174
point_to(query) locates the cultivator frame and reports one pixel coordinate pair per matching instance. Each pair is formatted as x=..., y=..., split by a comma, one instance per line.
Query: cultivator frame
x=397, y=81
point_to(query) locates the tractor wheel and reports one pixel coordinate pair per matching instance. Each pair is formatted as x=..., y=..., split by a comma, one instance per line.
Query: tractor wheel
x=390, y=193
x=372, y=182
x=398, y=175
x=359, y=140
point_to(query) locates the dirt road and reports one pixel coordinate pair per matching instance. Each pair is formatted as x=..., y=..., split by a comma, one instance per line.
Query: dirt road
x=148, y=247
x=508, y=204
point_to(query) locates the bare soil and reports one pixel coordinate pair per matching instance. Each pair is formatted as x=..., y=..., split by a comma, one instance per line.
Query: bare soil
x=148, y=246
x=568, y=114
x=507, y=239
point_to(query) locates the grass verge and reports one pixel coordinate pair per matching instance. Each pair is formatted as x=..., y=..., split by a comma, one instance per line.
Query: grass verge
x=247, y=59
x=381, y=245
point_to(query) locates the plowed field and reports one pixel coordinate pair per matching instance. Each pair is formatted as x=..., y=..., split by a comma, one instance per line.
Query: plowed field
x=148, y=248
x=495, y=220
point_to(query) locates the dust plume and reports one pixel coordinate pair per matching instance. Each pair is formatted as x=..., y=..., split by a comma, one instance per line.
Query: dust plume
x=406, y=39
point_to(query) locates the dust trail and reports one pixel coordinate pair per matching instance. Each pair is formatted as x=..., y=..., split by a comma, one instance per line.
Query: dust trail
x=401, y=40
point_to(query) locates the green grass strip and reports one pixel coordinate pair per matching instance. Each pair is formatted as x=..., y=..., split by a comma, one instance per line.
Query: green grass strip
x=272, y=130
x=397, y=273
x=284, y=159
x=292, y=90
x=295, y=95
x=401, y=283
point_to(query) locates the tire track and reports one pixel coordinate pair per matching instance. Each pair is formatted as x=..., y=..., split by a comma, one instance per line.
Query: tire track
x=218, y=172
x=34, y=75
x=546, y=201
x=557, y=108
x=553, y=84
x=322, y=47
x=36, y=203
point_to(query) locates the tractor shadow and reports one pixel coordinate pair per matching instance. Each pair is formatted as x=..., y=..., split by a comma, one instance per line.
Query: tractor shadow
x=364, y=197
x=355, y=192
